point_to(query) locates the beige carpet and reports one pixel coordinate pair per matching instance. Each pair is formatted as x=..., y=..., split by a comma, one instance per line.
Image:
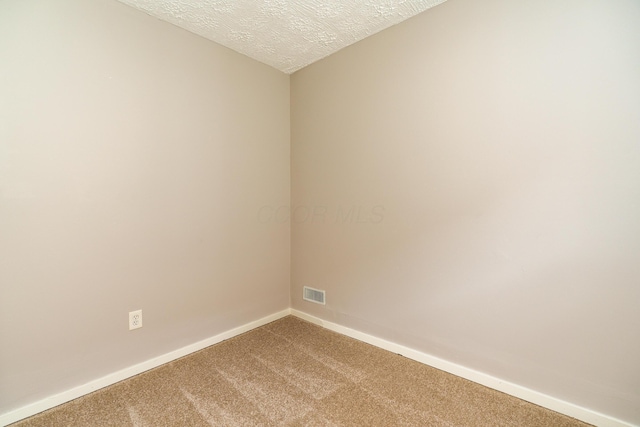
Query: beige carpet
x=293, y=373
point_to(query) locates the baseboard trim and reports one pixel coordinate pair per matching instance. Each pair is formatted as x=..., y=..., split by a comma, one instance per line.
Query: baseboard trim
x=541, y=399
x=76, y=392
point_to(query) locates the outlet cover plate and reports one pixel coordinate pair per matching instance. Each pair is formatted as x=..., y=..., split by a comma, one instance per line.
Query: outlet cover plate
x=135, y=319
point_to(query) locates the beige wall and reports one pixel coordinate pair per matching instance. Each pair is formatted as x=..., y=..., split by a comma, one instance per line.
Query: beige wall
x=467, y=183
x=134, y=158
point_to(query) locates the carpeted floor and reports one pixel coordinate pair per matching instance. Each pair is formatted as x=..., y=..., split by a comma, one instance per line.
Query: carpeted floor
x=293, y=373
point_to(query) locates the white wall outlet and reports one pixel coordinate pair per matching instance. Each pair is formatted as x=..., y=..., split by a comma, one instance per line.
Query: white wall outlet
x=135, y=319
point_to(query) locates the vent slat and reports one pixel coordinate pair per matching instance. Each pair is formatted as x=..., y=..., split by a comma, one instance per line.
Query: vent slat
x=313, y=295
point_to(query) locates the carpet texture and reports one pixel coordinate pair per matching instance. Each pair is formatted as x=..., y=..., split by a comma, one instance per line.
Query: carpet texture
x=293, y=373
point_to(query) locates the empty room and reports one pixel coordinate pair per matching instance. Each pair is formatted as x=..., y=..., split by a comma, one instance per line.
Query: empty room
x=343, y=213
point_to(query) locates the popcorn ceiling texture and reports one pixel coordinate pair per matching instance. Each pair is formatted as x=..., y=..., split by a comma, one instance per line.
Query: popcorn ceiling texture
x=286, y=34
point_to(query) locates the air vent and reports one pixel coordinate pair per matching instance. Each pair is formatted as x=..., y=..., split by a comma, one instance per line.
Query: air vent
x=313, y=295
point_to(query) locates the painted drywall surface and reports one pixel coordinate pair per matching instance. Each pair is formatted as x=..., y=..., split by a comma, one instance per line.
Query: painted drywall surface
x=134, y=159
x=467, y=183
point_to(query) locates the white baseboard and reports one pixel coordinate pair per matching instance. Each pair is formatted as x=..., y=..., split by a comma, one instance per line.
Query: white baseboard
x=541, y=399
x=74, y=393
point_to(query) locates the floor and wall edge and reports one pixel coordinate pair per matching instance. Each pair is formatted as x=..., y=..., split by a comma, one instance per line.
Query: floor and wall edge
x=541, y=399
x=76, y=392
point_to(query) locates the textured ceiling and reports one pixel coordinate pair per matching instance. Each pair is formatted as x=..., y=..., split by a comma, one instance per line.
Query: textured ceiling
x=286, y=34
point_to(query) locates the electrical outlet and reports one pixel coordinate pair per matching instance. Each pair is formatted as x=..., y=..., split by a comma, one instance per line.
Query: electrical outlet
x=135, y=319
